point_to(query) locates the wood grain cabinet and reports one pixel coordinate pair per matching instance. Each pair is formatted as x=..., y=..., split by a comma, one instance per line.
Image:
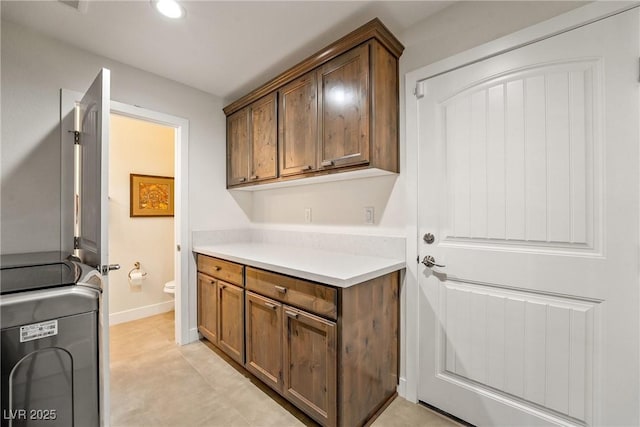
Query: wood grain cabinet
x=337, y=111
x=298, y=126
x=264, y=339
x=336, y=355
x=332, y=352
x=221, y=305
x=208, y=307
x=344, y=109
x=310, y=364
x=231, y=320
x=252, y=142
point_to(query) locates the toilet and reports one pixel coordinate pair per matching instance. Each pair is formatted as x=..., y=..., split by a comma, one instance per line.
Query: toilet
x=170, y=287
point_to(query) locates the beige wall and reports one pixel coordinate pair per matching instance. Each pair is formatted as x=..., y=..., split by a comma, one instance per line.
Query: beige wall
x=459, y=27
x=142, y=148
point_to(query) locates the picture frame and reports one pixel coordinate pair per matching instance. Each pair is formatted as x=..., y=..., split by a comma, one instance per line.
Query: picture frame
x=151, y=196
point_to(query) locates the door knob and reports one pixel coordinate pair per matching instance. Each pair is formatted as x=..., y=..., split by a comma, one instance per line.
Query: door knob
x=430, y=261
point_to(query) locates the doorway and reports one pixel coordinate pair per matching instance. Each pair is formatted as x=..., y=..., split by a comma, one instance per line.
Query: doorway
x=528, y=306
x=181, y=235
x=141, y=175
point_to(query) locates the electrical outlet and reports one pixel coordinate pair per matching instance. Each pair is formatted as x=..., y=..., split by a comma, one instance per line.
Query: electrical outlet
x=369, y=217
x=307, y=215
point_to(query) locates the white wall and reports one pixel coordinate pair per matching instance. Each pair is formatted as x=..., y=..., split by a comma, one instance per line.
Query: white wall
x=34, y=68
x=145, y=148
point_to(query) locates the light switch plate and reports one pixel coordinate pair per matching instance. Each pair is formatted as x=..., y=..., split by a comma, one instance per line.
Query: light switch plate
x=369, y=215
x=307, y=215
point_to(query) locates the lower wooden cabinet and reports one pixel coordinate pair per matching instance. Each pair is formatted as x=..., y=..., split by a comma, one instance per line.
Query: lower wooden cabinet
x=231, y=320
x=264, y=339
x=221, y=305
x=332, y=352
x=309, y=360
x=208, y=307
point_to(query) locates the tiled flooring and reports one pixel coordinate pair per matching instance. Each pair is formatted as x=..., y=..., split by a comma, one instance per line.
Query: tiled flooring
x=154, y=382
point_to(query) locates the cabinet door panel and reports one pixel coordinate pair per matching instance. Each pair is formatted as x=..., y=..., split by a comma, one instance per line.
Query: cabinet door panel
x=264, y=339
x=344, y=115
x=298, y=125
x=230, y=320
x=264, y=138
x=238, y=147
x=310, y=362
x=207, y=307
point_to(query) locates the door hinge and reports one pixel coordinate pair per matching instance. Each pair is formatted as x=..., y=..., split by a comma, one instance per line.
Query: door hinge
x=76, y=137
x=419, y=90
x=76, y=242
x=418, y=258
x=638, y=69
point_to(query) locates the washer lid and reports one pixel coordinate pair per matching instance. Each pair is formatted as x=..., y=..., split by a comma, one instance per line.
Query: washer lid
x=28, y=272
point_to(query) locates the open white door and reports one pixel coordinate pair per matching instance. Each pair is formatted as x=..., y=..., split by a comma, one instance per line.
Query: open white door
x=528, y=182
x=93, y=208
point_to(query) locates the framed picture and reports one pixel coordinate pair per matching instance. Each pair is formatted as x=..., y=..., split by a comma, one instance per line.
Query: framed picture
x=150, y=195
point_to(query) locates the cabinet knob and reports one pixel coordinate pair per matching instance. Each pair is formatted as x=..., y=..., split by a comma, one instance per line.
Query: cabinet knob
x=242, y=179
x=326, y=163
x=281, y=289
x=306, y=168
x=217, y=268
x=253, y=177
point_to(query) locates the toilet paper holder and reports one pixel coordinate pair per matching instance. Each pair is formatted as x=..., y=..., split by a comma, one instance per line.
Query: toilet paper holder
x=136, y=266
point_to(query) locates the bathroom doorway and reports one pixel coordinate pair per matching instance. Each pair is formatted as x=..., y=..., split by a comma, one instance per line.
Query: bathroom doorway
x=141, y=218
x=176, y=130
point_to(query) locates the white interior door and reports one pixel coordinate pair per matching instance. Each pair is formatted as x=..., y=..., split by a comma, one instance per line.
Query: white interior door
x=529, y=182
x=93, y=208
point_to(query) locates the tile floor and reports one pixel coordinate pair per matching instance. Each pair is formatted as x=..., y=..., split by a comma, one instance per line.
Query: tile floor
x=154, y=382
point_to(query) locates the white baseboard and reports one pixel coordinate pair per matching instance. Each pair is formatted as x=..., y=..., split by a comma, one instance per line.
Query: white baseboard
x=140, y=312
x=402, y=388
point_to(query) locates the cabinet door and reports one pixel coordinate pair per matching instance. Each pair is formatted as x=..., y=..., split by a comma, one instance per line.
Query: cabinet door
x=207, y=307
x=309, y=362
x=264, y=339
x=264, y=138
x=230, y=320
x=344, y=109
x=238, y=147
x=298, y=136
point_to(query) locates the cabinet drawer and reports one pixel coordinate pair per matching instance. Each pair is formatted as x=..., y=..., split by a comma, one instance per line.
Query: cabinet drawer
x=310, y=296
x=223, y=270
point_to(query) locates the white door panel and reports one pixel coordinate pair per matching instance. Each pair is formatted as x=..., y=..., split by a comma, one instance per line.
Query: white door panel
x=531, y=191
x=94, y=180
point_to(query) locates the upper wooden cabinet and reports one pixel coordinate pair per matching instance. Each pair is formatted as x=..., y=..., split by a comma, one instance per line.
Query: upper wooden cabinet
x=252, y=136
x=344, y=109
x=336, y=111
x=298, y=126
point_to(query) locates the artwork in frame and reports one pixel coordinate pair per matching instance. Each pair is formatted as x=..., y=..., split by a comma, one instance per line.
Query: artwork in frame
x=150, y=195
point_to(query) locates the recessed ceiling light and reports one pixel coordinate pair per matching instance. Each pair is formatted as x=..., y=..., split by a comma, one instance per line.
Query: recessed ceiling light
x=169, y=8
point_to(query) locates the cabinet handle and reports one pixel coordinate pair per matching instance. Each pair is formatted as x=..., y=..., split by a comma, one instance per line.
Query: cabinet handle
x=223, y=286
x=242, y=179
x=291, y=314
x=306, y=168
x=281, y=289
x=327, y=163
x=213, y=282
x=217, y=268
x=254, y=177
x=271, y=306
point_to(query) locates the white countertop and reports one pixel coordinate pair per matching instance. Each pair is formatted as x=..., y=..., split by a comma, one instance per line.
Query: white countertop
x=332, y=268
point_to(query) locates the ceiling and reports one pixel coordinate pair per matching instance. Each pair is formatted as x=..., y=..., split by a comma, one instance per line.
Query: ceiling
x=226, y=48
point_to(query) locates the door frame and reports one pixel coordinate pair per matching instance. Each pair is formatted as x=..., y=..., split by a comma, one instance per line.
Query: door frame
x=68, y=99
x=181, y=214
x=412, y=91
